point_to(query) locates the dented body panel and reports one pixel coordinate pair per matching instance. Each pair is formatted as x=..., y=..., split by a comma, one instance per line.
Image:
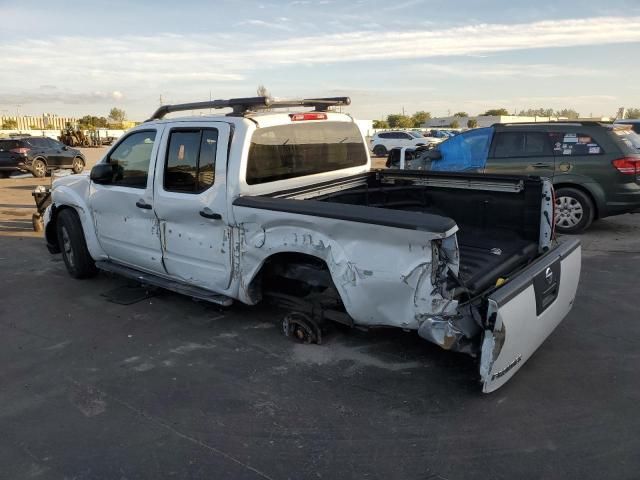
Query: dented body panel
x=393, y=268
x=375, y=291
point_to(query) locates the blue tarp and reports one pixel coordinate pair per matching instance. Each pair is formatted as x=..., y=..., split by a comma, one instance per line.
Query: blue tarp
x=464, y=152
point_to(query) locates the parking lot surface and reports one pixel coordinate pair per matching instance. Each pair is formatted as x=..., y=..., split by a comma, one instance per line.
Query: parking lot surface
x=173, y=388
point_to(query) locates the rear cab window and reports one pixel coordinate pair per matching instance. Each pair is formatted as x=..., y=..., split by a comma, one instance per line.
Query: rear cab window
x=297, y=150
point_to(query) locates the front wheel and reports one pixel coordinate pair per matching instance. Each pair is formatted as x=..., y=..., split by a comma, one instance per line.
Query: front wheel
x=38, y=168
x=574, y=211
x=78, y=165
x=71, y=240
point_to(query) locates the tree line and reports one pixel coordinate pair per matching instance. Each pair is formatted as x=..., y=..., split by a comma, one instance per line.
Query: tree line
x=416, y=120
x=115, y=118
x=88, y=122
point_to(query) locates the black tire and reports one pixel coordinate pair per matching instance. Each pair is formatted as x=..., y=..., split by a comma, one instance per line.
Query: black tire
x=574, y=211
x=73, y=245
x=380, y=150
x=38, y=168
x=5, y=174
x=78, y=165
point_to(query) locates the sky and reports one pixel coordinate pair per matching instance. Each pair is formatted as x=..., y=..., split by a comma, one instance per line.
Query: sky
x=77, y=58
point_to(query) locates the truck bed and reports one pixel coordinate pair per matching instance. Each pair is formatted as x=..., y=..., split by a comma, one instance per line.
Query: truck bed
x=498, y=218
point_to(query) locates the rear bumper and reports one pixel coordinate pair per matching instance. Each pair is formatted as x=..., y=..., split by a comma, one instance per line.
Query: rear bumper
x=625, y=199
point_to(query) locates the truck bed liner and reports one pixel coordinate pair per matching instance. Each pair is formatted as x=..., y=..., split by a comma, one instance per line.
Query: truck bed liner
x=486, y=256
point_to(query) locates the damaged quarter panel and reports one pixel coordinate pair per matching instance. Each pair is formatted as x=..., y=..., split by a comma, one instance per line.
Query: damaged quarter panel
x=375, y=290
x=73, y=191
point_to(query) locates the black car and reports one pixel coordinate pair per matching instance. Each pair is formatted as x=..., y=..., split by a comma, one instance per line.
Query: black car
x=37, y=155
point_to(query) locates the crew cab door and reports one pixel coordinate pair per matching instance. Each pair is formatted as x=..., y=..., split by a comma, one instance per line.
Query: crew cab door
x=521, y=153
x=190, y=202
x=122, y=209
x=525, y=310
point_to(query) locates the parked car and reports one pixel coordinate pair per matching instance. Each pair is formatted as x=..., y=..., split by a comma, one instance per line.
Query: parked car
x=439, y=133
x=382, y=142
x=37, y=155
x=287, y=209
x=635, y=124
x=595, y=167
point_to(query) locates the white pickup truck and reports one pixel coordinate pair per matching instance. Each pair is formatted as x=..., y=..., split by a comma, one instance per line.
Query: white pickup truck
x=268, y=204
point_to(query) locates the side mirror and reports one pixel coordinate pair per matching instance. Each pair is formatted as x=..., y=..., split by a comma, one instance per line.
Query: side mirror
x=102, y=173
x=64, y=147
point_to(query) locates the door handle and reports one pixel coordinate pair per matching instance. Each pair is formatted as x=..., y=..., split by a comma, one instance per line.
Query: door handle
x=207, y=213
x=541, y=165
x=142, y=204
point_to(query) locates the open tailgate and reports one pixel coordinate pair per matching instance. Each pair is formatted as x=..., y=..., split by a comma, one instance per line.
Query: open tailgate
x=526, y=310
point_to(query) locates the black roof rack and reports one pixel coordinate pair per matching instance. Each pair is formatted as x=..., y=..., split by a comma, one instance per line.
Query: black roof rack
x=243, y=105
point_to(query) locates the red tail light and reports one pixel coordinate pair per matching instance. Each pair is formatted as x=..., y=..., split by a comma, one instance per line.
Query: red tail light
x=627, y=165
x=296, y=117
x=20, y=151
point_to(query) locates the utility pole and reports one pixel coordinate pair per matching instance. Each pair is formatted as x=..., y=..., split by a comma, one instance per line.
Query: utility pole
x=17, y=115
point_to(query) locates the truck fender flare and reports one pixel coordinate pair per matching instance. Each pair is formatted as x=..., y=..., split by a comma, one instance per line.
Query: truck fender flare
x=285, y=240
x=66, y=198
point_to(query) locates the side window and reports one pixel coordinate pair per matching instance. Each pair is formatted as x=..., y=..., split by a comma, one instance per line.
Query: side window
x=522, y=144
x=407, y=136
x=467, y=151
x=575, y=144
x=37, y=142
x=508, y=144
x=191, y=160
x=131, y=158
x=54, y=143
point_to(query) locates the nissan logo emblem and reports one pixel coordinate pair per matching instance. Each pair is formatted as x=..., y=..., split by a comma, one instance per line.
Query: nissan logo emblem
x=548, y=274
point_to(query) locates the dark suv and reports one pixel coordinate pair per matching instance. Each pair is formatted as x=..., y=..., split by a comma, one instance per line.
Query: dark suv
x=595, y=167
x=37, y=155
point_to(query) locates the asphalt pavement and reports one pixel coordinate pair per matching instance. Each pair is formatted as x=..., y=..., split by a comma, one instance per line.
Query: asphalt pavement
x=173, y=388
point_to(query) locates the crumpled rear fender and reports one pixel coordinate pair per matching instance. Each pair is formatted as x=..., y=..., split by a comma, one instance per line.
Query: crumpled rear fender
x=384, y=275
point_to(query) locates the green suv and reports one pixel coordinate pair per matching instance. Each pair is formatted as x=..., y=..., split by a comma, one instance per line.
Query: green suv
x=594, y=166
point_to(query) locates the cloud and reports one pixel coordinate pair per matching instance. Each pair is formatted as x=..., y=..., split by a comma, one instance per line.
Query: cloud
x=455, y=41
x=137, y=65
x=534, y=70
x=55, y=95
x=277, y=24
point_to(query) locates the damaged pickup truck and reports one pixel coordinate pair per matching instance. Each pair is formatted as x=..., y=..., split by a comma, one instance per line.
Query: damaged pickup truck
x=265, y=204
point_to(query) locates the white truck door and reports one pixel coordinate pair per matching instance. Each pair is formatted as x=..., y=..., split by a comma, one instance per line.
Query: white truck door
x=526, y=310
x=190, y=202
x=125, y=223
